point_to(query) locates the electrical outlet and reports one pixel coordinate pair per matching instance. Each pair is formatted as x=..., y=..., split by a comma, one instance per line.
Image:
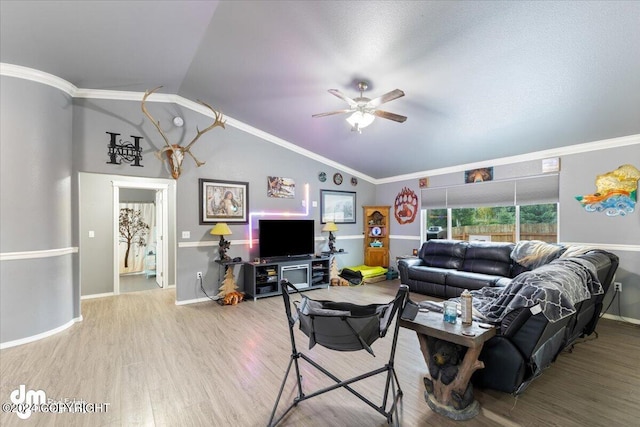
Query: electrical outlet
x=617, y=286
x=199, y=275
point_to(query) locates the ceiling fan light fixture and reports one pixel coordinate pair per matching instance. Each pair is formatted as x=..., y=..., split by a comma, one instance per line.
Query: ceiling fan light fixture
x=360, y=120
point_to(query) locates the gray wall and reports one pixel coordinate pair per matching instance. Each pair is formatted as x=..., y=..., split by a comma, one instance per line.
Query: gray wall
x=137, y=195
x=67, y=191
x=96, y=214
x=578, y=177
x=230, y=154
x=38, y=294
x=620, y=234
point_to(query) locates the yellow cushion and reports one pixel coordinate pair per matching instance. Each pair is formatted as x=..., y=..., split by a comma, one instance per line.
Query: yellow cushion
x=369, y=271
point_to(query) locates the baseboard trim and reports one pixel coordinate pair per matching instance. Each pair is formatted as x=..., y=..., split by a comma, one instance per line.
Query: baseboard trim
x=193, y=301
x=92, y=296
x=621, y=318
x=40, y=336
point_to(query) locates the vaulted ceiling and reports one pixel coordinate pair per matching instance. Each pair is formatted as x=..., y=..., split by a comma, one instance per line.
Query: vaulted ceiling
x=483, y=80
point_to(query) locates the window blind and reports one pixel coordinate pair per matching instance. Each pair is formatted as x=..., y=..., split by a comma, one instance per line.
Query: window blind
x=537, y=190
x=523, y=191
x=434, y=198
x=481, y=194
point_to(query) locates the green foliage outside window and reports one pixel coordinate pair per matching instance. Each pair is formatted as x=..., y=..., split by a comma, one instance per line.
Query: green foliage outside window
x=538, y=214
x=499, y=222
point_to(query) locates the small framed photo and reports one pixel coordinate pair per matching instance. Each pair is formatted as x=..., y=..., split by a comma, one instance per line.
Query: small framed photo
x=337, y=206
x=223, y=201
x=478, y=175
x=282, y=188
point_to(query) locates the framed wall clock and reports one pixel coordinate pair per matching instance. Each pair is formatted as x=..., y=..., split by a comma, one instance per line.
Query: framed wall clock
x=337, y=178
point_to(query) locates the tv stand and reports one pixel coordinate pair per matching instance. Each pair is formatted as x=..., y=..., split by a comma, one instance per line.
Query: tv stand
x=283, y=259
x=262, y=279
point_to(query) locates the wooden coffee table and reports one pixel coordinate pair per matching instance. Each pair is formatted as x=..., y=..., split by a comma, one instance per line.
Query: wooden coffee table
x=451, y=352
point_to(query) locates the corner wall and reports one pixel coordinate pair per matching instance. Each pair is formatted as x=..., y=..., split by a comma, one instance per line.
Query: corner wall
x=38, y=280
x=578, y=171
x=617, y=234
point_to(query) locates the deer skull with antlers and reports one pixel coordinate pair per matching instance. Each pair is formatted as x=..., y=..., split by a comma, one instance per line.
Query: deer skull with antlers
x=175, y=152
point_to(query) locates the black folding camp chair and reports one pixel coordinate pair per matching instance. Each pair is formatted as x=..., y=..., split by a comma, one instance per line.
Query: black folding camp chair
x=343, y=327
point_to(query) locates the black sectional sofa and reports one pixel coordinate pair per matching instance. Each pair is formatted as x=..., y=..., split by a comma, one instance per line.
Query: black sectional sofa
x=526, y=341
x=445, y=268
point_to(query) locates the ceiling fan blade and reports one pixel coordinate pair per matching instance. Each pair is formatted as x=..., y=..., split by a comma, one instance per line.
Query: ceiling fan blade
x=331, y=113
x=390, y=116
x=394, y=94
x=336, y=92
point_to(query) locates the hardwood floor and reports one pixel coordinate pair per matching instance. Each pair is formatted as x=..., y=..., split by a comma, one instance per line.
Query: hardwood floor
x=158, y=364
x=137, y=283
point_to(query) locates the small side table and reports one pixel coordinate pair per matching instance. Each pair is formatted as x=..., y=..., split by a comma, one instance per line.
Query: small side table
x=450, y=393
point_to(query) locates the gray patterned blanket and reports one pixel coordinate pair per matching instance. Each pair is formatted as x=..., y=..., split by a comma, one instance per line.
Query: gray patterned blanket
x=556, y=287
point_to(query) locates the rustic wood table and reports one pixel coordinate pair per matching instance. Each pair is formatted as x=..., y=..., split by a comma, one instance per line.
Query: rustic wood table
x=451, y=352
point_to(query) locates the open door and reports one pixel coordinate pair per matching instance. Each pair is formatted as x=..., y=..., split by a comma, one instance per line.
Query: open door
x=160, y=238
x=162, y=229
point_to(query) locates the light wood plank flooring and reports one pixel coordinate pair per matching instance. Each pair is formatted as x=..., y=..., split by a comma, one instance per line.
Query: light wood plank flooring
x=159, y=364
x=136, y=283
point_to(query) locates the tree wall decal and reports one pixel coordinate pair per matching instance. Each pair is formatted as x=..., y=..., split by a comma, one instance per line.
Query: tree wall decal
x=133, y=230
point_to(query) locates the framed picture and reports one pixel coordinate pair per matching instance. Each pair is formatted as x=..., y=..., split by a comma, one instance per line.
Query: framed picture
x=282, y=188
x=223, y=201
x=478, y=175
x=337, y=206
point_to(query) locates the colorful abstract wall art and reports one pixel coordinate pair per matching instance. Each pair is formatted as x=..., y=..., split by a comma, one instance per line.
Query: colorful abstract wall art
x=616, y=192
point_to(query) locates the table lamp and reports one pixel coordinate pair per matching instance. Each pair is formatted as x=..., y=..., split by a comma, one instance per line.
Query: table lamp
x=331, y=227
x=222, y=229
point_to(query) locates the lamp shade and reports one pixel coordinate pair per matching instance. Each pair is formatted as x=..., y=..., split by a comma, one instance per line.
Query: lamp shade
x=361, y=119
x=220, y=229
x=330, y=226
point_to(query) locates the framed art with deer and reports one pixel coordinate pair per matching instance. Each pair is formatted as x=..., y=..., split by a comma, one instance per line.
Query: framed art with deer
x=223, y=201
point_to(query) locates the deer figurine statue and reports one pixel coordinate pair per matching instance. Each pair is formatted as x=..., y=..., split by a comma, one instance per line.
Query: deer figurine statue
x=174, y=152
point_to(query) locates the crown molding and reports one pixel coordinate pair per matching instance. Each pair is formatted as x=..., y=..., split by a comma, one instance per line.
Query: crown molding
x=536, y=155
x=27, y=73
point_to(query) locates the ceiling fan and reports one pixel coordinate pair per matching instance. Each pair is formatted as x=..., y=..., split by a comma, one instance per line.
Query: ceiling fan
x=364, y=110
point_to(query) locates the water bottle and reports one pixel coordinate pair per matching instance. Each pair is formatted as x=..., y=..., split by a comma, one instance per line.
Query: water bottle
x=466, y=302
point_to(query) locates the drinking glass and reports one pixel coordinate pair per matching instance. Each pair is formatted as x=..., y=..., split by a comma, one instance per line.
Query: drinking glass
x=450, y=312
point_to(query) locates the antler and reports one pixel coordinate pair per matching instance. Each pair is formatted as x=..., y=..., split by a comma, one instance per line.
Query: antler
x=217, y=122
x=175, y=152
x=155, y=123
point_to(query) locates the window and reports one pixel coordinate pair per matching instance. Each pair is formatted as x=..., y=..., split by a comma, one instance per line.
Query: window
x=539, y=222
x=498, y=224
x=437, y=218
x=492, y=224
x=500, y=211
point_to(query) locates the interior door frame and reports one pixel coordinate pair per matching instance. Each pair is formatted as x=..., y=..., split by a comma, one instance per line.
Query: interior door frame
x=164, y=227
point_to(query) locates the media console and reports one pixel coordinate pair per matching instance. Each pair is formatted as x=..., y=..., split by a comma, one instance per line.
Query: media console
x=262, y=279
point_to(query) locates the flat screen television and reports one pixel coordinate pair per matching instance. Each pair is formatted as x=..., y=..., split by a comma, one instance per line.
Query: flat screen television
x=286, y=238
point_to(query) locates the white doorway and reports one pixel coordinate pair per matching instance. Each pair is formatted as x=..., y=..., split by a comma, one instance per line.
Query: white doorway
x=154, y=259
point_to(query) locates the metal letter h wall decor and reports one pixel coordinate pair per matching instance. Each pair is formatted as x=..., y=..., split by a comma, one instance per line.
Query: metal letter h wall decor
x=127, y=151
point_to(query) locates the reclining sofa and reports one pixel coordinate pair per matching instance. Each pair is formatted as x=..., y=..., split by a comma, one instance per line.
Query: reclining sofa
x=445, y=268
x=526, y=342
